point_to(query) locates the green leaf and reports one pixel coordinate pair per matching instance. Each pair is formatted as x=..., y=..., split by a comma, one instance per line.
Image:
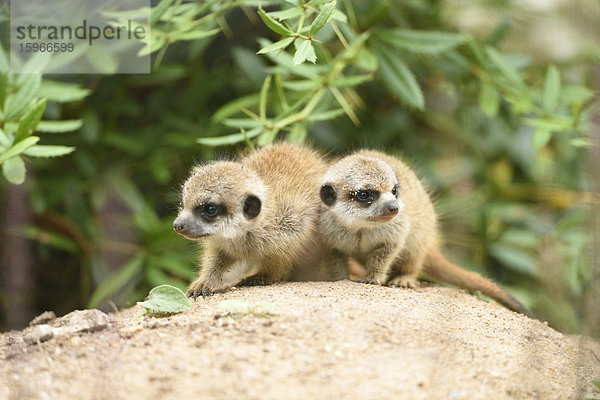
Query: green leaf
x=400, y=80
x=272, y=24
x=304, y=51
x=4, y=141
x=345, y=105
x=339, y=16
x=326, y=115
x=116, y=281
x=230, y=139
x=500, y=32
x=19, y=148
x=596, y=383
x=550, y=124
x=504, y=67
x=551, y=89
x=238, y=123
x=322, y=18
x=67, y=125
x=301, y=85
x=195, y=35
x=264, y=93
x=290, y=116
x=30, y=120
x=489, y=100
x=166, y=299
x=366, y=60
x=14, y=170
x=515, y=259
x=570, y=94
x=3, y=89
x=421, y=42
x=283, y=43
x=581, y=142
x=242, y=306
x=4, y=62
x=287, y=14
x=297, y=134
x=234, y=304
x=233, y=107
x=267, y=137
x=285, y=61
x=52, y=239
x=353, y=80
x=520, y=238
x=159, y=10
x=62, y=92
x=541, y=137
x=23, y=96
x=48, y=151
x=355, y=47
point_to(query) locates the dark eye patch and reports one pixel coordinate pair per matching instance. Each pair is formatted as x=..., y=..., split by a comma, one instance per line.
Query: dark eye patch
x=395, y=191
x=209, y=211
x=365, y=196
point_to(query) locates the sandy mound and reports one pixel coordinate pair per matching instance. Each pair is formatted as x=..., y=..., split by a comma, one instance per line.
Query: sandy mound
x=323, y=341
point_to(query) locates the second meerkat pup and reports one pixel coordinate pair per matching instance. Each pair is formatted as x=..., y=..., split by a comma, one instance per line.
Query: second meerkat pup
x=257, y=218
x=379, y=213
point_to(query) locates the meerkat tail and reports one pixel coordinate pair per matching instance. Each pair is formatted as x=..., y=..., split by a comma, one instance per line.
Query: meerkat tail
x=439, y=268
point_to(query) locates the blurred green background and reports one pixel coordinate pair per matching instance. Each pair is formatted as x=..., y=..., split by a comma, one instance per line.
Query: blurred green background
x=493, y=103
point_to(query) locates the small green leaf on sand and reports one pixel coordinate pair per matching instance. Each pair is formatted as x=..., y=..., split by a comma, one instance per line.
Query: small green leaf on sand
x=165, y=299
x=240, y=306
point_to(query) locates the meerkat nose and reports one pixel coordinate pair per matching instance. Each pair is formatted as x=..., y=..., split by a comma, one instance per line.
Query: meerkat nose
x=178, y=226
x=392, y=207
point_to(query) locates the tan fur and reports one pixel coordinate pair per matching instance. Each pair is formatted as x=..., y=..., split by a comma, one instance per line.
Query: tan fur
x=394, y=248
x=271, y=246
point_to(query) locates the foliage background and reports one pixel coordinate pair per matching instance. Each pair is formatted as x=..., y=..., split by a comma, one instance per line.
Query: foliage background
x=492, y=102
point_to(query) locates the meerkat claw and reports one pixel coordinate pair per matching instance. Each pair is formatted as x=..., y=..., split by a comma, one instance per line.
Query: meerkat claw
x=370, y=281
x=406, y=282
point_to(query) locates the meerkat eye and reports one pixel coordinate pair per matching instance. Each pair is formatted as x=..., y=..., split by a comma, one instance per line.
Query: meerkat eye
x=364, y=196
x=210, y=210
x=395, y=191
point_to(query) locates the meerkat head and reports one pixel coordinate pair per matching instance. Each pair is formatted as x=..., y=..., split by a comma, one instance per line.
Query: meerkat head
x=223, y=199
x=362, y=191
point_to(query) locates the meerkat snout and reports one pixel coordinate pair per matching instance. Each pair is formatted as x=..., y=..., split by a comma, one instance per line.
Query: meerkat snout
x=385, y=209
x=179, y=226
x=392, y=207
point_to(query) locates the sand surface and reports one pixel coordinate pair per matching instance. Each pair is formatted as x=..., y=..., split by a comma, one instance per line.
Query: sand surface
x=324, y=340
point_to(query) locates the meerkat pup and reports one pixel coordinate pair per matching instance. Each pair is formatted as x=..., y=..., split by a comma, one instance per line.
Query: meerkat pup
x=257, y=218
x=378, y=212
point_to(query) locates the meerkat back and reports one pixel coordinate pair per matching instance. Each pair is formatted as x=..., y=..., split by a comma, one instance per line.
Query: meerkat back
x=292, y=173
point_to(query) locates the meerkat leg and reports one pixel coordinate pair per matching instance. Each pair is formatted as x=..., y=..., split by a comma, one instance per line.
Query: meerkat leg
x=256, y=280
x=378, y=265
x=407, y=270
x=213, y=266
x=336, y=264
x=221, y=279
x=405, y=281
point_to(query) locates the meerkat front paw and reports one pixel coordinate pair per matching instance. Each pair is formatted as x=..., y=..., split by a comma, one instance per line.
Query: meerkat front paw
x=372, y=280
x=199, y=287
x=405, y=281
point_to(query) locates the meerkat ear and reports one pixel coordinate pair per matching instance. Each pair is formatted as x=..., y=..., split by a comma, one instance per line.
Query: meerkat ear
x=328, y=194
x=252, y=206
